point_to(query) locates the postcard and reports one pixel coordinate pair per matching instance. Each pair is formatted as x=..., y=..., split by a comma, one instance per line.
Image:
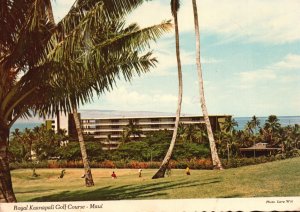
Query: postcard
x=126, y=105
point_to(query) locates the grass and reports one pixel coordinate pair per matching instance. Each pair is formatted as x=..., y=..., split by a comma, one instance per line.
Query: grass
x=279, y=178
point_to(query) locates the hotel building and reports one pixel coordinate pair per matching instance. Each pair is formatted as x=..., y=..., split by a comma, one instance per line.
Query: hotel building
x=109, y=130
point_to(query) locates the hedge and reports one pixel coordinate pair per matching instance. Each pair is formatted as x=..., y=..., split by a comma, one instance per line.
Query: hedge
x=193, y=164
x=132, y=164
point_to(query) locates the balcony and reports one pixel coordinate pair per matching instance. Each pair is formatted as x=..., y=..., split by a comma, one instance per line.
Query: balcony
x=110, y=142
x=109, y=130
x=192, y=122
x=110, y=148
x=89, y=129
x=155, y=129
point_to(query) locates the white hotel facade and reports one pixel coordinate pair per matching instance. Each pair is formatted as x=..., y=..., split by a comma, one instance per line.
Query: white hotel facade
x=108, y=130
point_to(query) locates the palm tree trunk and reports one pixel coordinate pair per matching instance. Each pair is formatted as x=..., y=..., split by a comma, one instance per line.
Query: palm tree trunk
x=254, y=148
x=6, y=189
x=227, y=152
x=215, y=158
x=87, y=170
x=162, y=169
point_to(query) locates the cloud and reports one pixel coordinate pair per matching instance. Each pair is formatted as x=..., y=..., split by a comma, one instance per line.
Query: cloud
x=272, y=89
x=276, y=71
x=290, y=62
x=61, y=8
x=210, y=60
x=165, y=53
x=263, y=74
x=150, y=13
x=126, y=98
x=266, y=21
x=255, y=20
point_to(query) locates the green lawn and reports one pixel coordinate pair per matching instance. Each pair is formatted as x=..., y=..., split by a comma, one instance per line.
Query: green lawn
x=280, y=178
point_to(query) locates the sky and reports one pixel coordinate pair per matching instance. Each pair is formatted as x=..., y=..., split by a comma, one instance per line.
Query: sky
x=250, y=55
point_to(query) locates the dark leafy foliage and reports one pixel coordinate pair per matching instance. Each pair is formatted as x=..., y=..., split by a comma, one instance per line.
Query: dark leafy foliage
x=71, y=152
x=39, y=143
x=155, y=146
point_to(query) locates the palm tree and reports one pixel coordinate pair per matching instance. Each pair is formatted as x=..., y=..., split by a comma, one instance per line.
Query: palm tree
x=296, y=135
x=17, y=135
x=175, y=5
x=108, y=140
x=25, y=29
x=46, y=66
x=271, y=126
x=229, y=124
x=228, y=128
x=201, y=135
x=126, y=59
x=249, y=127
x=132, y=128
x=87, y=55
x=125, y=137
x=214, y=153
x=255, y=123
x=272, y=122
x=28, y=138
x=189, y=133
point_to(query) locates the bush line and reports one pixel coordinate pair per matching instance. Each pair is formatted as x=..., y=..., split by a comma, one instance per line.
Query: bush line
x=192, y=164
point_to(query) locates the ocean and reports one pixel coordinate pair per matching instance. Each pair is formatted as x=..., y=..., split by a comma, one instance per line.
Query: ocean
x=22, y=125
x=284, y=121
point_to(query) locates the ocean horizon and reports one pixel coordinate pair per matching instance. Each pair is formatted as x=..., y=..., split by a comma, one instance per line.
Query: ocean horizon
x=284, y=121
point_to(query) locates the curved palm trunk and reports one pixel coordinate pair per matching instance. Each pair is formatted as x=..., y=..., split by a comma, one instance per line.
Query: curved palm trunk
x=6, y=189
x=163, y=167
x=214, y=155
x=87, y=170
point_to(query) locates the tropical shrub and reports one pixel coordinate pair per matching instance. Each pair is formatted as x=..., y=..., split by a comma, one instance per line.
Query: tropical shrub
x=238, y=162
x=155, y=146
x=38, y=143
x=107, y=164
x=28, y=165
x=72, y=151
x=132, y=151
x=188, y=151
x=17, y=152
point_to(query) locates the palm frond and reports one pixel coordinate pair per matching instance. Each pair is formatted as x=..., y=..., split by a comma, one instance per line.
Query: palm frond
x=133, y=37
x=68, y=64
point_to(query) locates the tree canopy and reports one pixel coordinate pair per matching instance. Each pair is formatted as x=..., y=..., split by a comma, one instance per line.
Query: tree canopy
x=47, y=67
x=70, y=60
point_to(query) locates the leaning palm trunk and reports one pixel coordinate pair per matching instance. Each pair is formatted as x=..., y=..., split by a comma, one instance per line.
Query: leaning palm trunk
x=163, y=167
x=214, y=154
x=6, y=189
x=87, y=170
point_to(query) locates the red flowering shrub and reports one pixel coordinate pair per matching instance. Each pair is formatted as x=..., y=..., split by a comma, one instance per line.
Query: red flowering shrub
x=52, y=164
x=137, y=165
x=107, y=164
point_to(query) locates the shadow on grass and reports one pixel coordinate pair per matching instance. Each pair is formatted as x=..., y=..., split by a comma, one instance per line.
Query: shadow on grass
x=34, y=191
x=126, y=192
